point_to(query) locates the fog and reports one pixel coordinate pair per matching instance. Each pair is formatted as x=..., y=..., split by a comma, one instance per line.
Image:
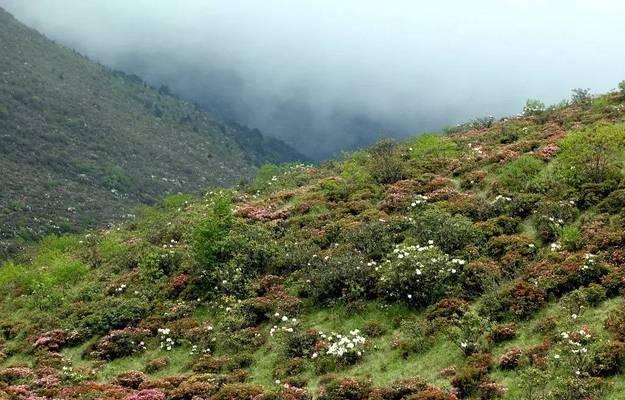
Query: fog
x=331, y=75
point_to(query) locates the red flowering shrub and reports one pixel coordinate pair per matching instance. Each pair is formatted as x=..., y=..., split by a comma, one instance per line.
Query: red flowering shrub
x=614, y=281
x=510, y=359
x=146, y=394
x=517, y=301
x=503, y=332
x=156, y=365
x=120, y=343
x=276, y=300
x=93, y=390
x=491, y=390
x=399, y=195
x=537, y=355
x=447, y=310
x=548, y=152
x=562, y=277
x=192, y=388
x=177, y=283
x=466, y=381
x=129, y=379
x=259, y=212
x=55, y=339
x=15, y=375
x=238, y=391
x=334, y=388
x=432, y=394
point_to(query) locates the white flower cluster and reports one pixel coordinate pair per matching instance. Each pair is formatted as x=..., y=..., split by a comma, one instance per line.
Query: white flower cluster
x=501, y=198
x=166, y=341
x=590, y=262
x=580, y=345
x=419, y=199
x=195, y=349
x=342, y=345
x=170, y=245
x=285, y=328
x=556, y=246
x=120, y=288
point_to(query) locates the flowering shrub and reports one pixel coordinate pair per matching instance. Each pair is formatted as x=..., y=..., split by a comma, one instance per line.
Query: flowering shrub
x=450, y=233
x=15, y=375
x=130, y=379
x=120, y=343
x=55, y=339
x=471, y=334
x=503, y=332
x=516, y=301
x=334, y=388
x=418, y=275
x=156, y=364
x=167, y=342
x=510, y=359
x=146, y=394
x=275, y=300
x=343, y=277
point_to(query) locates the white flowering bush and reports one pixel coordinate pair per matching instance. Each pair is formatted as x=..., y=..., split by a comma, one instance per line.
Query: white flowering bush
x=167, y=342
x=574, y=349
x=418, y=275
x=344, y=346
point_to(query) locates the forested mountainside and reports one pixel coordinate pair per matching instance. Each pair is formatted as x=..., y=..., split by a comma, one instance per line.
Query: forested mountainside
x=81, y=144
x=485, y=263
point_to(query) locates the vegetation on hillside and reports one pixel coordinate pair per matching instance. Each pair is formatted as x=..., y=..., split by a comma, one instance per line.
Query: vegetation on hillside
x=486, y=263
x=81, y=144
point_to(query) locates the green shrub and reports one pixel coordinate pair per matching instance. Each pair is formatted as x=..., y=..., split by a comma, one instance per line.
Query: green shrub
x=385, y=164
x=516, y=175
x=572, y=238
x=418, y=276
x=210, y=234
x=450, y=232
x=533, y=107
x=343, y=277
x=592, y=155
x=621, y=87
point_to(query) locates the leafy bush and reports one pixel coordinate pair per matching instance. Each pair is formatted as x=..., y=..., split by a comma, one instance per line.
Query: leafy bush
x=342, y=277
x=119, y=343
x=581, y=97
x=516, y=175
x=418, y=276
x=450, y=233
x=385, y=164
x=571, y=238
x=209, y=236
x=533, y=107
x=592, y=155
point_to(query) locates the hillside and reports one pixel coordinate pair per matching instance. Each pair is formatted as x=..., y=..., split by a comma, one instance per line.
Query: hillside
x=81, y=144
x=486, y=263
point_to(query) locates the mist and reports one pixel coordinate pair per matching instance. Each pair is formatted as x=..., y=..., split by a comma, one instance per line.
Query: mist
x=327, y=75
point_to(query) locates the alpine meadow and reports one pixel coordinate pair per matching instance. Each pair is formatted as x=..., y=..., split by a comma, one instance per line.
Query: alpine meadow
x=155, y=250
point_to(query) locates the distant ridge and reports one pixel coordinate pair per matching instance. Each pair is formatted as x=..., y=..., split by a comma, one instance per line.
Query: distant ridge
x=81, y=144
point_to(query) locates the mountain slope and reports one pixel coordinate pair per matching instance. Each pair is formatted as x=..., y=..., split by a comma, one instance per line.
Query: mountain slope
x=484, y=264
x=81, y=144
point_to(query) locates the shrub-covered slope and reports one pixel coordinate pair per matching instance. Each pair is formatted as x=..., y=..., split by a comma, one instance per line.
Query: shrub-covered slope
x=81, y=144
x=485, y=263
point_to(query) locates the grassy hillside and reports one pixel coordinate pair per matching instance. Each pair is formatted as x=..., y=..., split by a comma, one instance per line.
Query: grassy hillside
x=81, y=144
x=485, y=263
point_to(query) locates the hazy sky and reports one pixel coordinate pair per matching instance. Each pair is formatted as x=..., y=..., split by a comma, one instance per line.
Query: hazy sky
x=332, y=74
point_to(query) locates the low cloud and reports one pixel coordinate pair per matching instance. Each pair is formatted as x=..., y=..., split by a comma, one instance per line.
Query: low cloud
x=328, y=75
